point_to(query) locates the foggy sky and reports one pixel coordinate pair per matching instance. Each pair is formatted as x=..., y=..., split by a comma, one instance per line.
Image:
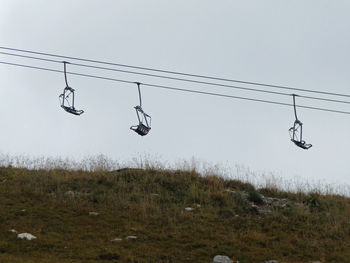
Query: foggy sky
x=303, y=44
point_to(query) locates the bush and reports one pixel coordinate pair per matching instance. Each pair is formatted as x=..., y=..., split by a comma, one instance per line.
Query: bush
x=313, y=201
x=255, y=197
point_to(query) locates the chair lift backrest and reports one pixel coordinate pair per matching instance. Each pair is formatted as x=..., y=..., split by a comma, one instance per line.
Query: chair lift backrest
x=296, y=131
x=144, y=117
x=65, y=95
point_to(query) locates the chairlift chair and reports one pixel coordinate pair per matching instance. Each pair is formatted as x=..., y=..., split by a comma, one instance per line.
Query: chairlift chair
x=296, y=132
x=144, y=119
x=67, y=97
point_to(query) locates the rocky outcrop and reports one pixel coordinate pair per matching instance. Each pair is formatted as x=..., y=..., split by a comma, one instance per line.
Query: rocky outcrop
x=226, y=259
x=26, y=236
x=221, y=259
x=267, y=204
x=93, y=214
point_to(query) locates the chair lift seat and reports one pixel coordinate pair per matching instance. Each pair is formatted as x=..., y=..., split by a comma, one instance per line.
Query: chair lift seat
x=302, y=144
x=72, y=110
x=141, y=129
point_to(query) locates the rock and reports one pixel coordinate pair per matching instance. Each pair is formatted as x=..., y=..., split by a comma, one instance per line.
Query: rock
x=271, y=261
x=22, y=212
x=13, y=231
x=189, y=209
x=117, y=240
x=93, y=214
x=221, y=259
x=255, y=209
x=26, y=236
x=131, y=238
x=198, y=205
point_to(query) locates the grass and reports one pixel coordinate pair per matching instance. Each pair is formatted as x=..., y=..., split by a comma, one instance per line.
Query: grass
x=54, y=205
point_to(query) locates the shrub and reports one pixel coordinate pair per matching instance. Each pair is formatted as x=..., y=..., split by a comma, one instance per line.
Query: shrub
x=254, y=196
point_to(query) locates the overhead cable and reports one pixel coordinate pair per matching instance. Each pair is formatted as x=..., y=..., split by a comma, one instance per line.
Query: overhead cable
x=175, y=88
x=177, y=73
x=179, y=79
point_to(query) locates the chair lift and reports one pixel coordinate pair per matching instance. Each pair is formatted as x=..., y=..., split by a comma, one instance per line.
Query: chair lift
x=144, y=125
x=67, y=97
x=296, y=132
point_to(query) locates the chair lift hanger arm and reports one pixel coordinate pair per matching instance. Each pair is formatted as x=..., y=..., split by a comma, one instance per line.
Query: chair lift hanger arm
x=138, y=87
x=295, y=110
x=65, y=72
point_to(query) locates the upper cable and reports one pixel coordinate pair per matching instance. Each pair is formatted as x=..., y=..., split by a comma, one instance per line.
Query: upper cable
x=178, y=73
x=177, y=89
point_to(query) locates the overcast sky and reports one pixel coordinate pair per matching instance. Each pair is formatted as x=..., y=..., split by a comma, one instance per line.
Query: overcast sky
x=303, y=44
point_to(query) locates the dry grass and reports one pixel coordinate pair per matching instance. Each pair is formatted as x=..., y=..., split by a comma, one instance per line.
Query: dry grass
x=150, y=205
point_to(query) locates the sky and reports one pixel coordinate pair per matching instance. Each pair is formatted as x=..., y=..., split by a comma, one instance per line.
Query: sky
x=302, y=44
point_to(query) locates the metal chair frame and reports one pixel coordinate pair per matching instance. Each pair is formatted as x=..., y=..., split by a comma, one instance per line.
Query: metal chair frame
x=296, y=132
x=68, y=92
x=144, y=119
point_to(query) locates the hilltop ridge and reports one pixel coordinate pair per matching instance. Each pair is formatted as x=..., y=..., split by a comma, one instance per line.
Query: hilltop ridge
x=135, y=215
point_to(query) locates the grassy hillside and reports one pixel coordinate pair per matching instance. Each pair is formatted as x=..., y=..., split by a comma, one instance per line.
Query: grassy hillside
x=228, y=217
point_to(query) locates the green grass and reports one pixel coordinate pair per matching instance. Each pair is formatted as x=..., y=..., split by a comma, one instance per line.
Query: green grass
x=150, y=204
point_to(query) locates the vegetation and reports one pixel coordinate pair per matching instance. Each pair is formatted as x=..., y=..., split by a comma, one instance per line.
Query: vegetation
x=227, y=218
